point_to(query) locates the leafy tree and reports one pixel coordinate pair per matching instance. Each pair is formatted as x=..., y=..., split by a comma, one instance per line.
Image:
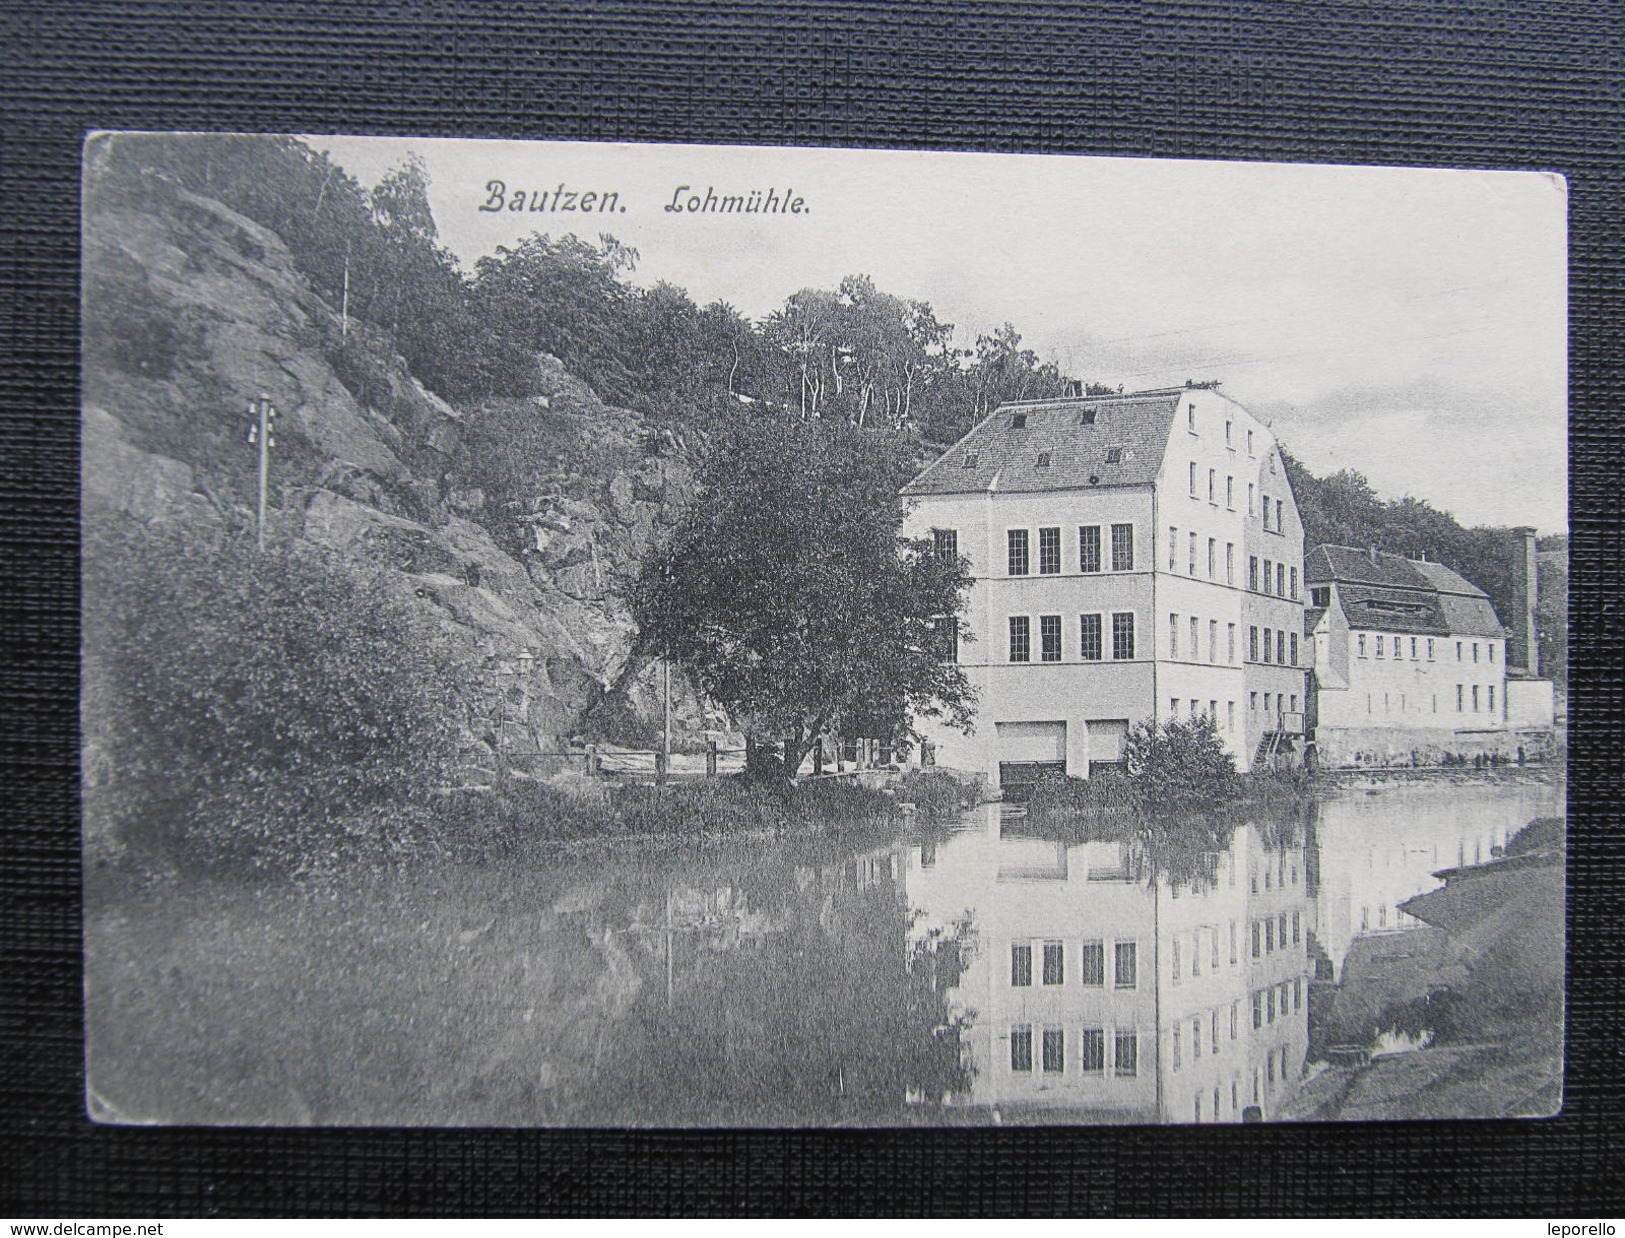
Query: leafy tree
x=787, y=593
x=256, y=709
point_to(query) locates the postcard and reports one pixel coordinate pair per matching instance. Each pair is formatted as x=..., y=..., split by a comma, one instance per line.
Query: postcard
x=652, y=635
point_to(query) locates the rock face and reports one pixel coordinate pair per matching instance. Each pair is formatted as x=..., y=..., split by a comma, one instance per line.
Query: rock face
x=192, y=311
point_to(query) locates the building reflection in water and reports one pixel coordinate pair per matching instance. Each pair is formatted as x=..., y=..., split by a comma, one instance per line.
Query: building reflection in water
x=1098, y=989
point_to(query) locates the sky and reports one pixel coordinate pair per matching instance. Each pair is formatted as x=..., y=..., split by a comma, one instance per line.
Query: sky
x=1407, y=323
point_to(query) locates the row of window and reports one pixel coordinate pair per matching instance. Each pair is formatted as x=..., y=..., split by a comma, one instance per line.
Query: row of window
x=1462, y=699
x=1283, y=578
x=1092, y=1044
x=1019, y=548
x=1267, y=1002
x=1092, y=964
x=1193, y=651
x=1276, y=703
x=1091, y=637
x=1212, y=711
x=1229, y=430
x=1396, y=646
x=1270, y=929
x=1277, y=641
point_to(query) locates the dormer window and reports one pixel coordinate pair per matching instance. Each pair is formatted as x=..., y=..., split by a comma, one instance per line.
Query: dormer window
x=1043, y=459
x=1190, y=418
x=1018, y=421
x=1114, y=455
x=970, y=459
x=1087, y=417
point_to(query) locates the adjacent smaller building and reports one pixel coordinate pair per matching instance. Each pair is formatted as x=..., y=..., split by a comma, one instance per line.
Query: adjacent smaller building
x=1410, y=661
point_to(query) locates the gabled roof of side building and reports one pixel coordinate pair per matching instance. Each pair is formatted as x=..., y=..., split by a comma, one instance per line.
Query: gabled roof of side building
x=1388, y=592
x=1065, y=444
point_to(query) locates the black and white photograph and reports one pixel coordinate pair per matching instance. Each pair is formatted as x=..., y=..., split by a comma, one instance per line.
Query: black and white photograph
x=629, y=635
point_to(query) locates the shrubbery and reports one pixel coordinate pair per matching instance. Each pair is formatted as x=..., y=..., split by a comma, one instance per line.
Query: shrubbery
x=933, y=793
x=247, y=709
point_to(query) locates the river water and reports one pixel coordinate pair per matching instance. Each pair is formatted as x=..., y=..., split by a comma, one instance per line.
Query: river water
x=975, y=971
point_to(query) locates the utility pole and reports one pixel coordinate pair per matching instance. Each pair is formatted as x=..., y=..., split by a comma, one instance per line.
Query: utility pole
x=262, y=419
x=665, y=736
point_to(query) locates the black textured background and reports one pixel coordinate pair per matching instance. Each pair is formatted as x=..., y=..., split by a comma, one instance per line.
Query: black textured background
x=1489, y=84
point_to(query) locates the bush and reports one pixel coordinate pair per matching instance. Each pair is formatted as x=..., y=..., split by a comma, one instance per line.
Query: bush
x=257, y=710
x=1181, y=765
x=932, y=792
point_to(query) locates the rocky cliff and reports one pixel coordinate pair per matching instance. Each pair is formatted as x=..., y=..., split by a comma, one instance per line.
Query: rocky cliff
x=517, y=523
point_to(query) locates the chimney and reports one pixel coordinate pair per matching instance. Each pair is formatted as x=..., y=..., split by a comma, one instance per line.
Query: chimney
x=1523, y=632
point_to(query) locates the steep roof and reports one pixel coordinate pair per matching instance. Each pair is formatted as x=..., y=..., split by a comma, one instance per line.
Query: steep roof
x=1387, y=592
x=1057, y=445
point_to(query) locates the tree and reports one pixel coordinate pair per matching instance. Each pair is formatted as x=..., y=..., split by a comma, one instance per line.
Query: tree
x=788, y=594
x=1180, y=765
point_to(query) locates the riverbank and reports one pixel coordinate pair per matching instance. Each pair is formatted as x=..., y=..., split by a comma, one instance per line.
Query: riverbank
x=1462, y=1017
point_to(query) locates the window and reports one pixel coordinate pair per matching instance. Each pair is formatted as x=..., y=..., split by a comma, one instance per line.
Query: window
x=1230, y=493
x=1212, y=640
x=1379, y=646
x=1252, y=701
x=1293, y=708
x=1127, y=1055
x=1094, y=964
x=1229, y=715
x=1088, y=548
x=946, y=628
x=1252, y=646
x=1196, y=1045
x=1266, y=575
x=1093, y=1055
x=1258, y=940
x=1054, y=1051
x=1125, y=965
x=1292, y=582
x=1266, y=647
x=1176, y=1046
x=1297, y=996
x=1213, y=486
x=1297, y=920
x=1266, y=509
x=1122, y=548
x=1475, y=651
x=1458, y=651
x=1018, y=421
x=1475, y=698
x=1258, y=1011
x=1174, y=957
x=1173, y=708
x=1196, y=638
x=1021, y=966
x=1235, y=1015
x=1017, y=544
x=1173, y=636
x=1114, y=455
x=1250, y=490
x=1269, y=1004
x=1280, y=580
x=1196, y=952
x=1252, y=572
x=1191, y=558
x=1360, y=639
x=1021, y=639
x=945, y=542
x=1232, y=925
x=1122, y=635
x=1413, y=649
x=1458, y=698
x=1294, y=648
x=1213, y=955
x=1043, y=459
x=1230, y=643
x=1212, y=558
x=1489, y=653
x=1193, y=479
x=1213, y=1040
x=1089, y=638
x=1269, y=934
x=1280, y=647
x=970, y=459
x=1049, y=551
x=1173, y=549
x=1228, y=426
x=1249, y=442
x=1054, y=963
x=1229, y=563
x=1280, y=522
x=1049, y=638
x=1492, y=698
x=1021, y=1048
